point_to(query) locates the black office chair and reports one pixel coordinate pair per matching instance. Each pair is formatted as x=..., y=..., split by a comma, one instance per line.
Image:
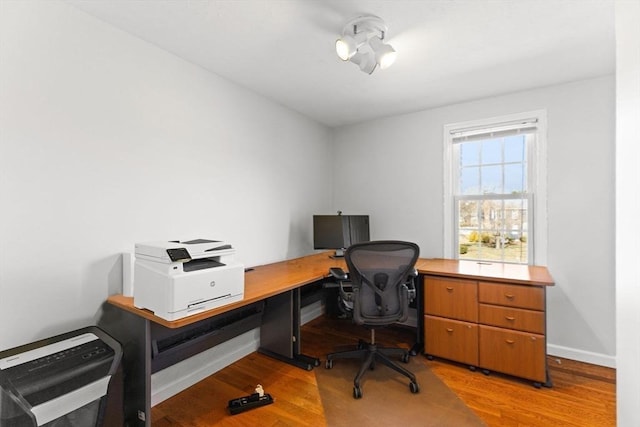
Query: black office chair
x=381, y=275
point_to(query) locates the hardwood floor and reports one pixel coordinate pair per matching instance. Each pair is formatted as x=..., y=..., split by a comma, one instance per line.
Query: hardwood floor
x=582, y=395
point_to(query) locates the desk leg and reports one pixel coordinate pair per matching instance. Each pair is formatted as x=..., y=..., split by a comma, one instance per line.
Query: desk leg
x=133, y=333
x=280, y=330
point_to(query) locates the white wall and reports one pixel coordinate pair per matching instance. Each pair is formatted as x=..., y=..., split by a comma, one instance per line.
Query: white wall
x=107, y=140
x=627, y=208
x=391, y=169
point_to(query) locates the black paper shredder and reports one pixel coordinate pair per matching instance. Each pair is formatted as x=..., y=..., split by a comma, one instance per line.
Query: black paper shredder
x=61, y=381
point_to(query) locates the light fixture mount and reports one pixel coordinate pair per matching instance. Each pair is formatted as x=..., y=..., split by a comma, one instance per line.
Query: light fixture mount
x=362, y=43
x=368, y=24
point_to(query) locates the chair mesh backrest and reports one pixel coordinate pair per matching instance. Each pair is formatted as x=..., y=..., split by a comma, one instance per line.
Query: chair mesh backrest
x=379, y=271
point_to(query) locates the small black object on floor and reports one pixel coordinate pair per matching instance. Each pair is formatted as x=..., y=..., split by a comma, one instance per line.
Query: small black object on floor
x=254, y=400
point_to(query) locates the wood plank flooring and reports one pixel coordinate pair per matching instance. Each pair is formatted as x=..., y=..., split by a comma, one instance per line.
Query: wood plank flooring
x=582, y=395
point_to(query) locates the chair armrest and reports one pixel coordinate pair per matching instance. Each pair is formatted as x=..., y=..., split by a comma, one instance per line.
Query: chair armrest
x=338, y=273
x=411, y=287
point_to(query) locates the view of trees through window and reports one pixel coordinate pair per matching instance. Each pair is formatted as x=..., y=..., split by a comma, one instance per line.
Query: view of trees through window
x=492, y=202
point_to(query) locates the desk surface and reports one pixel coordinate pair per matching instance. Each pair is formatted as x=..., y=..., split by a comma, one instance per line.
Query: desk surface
x=495, y=271
x=262, y=282
x=272, y=279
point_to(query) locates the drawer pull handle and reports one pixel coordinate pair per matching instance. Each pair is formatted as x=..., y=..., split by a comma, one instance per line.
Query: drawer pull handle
x=449, y=288
x=449, y=330
x=509, y=296
x=509, y=341
x=510, y=318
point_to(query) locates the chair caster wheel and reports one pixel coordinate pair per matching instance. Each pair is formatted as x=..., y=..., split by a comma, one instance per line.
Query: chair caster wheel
x=357, y=392
x=405, y=358
x=328, y=364
x=414, y=387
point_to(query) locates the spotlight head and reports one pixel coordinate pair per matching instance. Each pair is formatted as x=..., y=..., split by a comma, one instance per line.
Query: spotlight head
x=348, y=45
x=343, y=49
x=385, y=54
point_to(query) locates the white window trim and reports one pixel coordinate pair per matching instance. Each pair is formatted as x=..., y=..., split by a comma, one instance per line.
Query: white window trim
x=537, y=177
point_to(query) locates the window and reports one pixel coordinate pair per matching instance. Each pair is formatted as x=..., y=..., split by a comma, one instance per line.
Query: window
x=495, y=191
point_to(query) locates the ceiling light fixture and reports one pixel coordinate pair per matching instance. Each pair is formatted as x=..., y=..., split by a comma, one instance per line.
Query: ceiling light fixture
x=362, y=42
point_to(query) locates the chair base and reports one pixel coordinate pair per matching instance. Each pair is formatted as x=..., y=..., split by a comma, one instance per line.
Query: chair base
x=371, y=353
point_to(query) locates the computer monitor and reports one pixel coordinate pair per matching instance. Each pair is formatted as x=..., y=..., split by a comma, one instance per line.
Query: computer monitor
x=338, y=232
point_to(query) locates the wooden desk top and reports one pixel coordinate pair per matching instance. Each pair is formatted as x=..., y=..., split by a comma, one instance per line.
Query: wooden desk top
x=262, y=282
x=272, y=279
x=495, y=272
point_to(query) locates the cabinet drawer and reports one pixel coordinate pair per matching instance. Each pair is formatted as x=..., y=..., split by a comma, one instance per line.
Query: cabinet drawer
x=521, y=296
x=456, y=299
x=451, y=339
x=512, y=318
x=516, y=353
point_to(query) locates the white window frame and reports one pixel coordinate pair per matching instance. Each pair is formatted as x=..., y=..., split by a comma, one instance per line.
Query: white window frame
x=537, y=182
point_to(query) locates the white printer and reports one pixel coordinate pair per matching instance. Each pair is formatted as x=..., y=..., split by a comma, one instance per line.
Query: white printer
x=178, y=279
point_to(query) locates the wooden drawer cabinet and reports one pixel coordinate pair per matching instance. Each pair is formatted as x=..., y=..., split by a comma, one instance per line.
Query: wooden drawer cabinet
x=452, y=339
x=490, y=316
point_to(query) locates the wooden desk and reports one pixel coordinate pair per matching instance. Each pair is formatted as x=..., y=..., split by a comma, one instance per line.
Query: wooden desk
x=271, y=300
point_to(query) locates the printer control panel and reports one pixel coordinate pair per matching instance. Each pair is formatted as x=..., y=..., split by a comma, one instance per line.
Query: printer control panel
x=178, y=254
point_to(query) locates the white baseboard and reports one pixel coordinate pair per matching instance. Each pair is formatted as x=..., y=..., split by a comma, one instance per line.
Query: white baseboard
x=184, y=374
x=311, y=311
x=581, y=355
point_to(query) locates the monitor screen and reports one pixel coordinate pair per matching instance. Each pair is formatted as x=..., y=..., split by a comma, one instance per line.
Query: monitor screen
x=329, y=231
x=339, y=231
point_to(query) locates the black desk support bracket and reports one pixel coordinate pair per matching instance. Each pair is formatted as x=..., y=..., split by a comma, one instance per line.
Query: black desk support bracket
x=280, y=331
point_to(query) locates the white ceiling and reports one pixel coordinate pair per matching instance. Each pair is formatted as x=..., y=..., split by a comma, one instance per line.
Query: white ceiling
x=449, y=51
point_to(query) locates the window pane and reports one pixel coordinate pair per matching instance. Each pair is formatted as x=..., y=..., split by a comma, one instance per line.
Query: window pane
x=491, y=179
x=514, y=149
x=468, y=214
x=468, y=230
x=514, y=178
x=515, y=218
x=515, y=250
x=469, y=180
x=492, y=151
x=470, y=153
